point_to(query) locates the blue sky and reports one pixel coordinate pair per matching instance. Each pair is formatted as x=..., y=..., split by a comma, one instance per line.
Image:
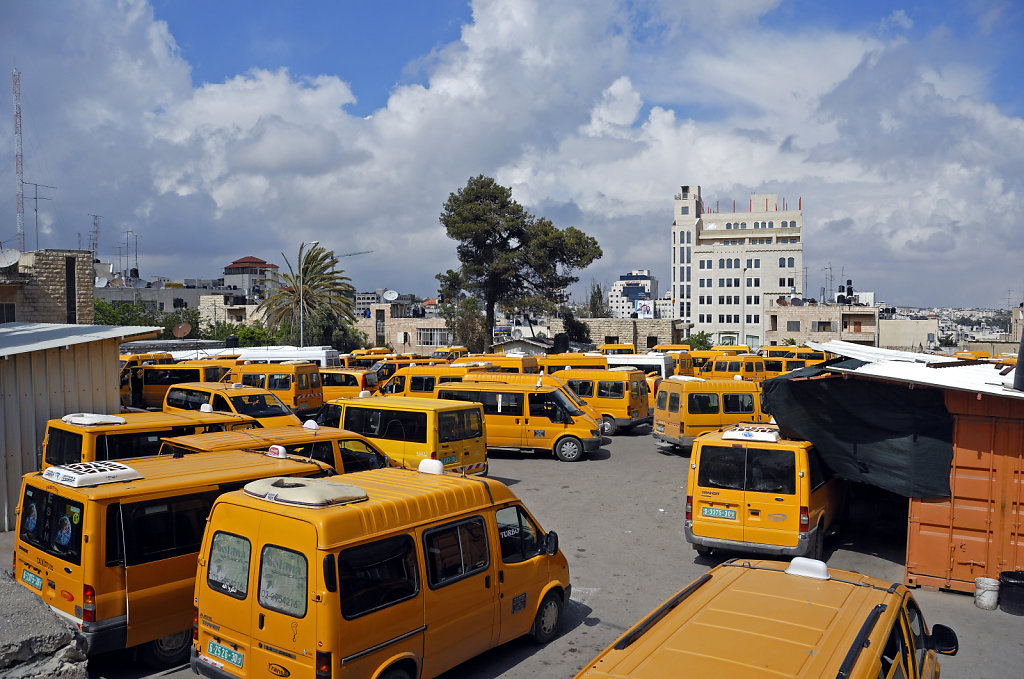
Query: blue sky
x=219, y=130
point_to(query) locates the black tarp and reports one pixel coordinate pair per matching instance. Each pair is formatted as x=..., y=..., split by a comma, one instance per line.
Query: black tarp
x=881, y=433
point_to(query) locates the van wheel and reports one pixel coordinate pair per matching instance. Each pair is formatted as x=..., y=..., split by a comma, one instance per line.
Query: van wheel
x=702, y=550
x=818, y=548
x=569, y=449
x=608, y=427
x=395, y=673
x=168, y=651
x=545, y=625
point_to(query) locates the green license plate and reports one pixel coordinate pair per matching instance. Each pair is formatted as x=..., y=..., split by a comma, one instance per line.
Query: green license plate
x=32, y=579
x=451, y=459
x=718, y=512
x=224, y=653
x=660, y=428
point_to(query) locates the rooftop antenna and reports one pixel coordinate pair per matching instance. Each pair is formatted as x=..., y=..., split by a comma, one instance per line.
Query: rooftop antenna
x=38, y=198
x=94, y=236
x=19, y=166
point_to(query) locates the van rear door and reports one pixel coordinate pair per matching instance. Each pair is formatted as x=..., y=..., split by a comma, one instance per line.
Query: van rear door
x=718, y=499
x=772, y=510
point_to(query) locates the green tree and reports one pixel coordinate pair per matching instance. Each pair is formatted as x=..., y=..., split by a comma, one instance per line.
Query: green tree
x=789, y=342
x=323, y=286
x=507, y=254
x=700, y=341
x=578, y=331
x=597, y=306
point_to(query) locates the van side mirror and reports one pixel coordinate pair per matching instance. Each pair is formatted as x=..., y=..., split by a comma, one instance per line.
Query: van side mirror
x=943, y=640
x=549, y=545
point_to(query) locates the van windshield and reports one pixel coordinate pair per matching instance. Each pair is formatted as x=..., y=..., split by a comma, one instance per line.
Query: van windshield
x=758, y=470
x=259, y=405
x=564, y=401
x=52, y=523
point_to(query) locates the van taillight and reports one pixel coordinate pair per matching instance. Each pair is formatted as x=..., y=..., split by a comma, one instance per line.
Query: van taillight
x=195, y=623
x=88, y=604
x=804, y=519
x=433, y=455
x=689, y=508
x=323, y=664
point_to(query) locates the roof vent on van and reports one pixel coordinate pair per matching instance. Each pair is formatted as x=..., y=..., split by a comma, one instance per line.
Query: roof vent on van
x=752, y=433
x=685, y=378
x=277, y=451
x=237, y=385
x=808, y=568
x=364, y=394
x=431, y=467
x=623, y=368
x=206, y=408
x=83, y=474
x=91, y=419
x=316, y=493
x=738, y=377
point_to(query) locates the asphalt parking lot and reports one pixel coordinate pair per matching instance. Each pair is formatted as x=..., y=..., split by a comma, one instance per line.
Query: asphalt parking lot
x=619, y=518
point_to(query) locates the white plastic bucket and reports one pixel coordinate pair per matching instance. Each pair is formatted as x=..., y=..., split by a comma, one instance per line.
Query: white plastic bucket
x=986, y=593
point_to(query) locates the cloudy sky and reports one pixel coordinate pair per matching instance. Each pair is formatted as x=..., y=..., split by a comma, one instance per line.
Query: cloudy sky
x=218, y=130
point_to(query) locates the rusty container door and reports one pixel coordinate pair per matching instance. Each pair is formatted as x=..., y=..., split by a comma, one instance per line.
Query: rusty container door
x=979, y=531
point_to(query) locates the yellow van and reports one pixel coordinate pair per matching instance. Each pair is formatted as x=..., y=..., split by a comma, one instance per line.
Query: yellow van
x=616, y=348
x=665, y=348
x=146, y=386
x=733, y=348
x=779, y=351
x=344, y=450
x=409, y=430
x=748, y=619
x=504, y=363
x=112, y=547
x=687, y=407
x=230, y=397
x=529, y=417
x=751, y=490
x=745, y=366
x=90, y=437
x=450, y=353
x=812, y=356
x=296, y=383
x=700, y=357
x=773, y=367
x=543, y=379
x=420, y=380
x=347, y=382
x=619, y=396
x=391, y=574
x=572, y=361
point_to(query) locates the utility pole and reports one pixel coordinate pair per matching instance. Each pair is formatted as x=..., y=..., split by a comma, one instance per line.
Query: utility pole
x=19, y=166
x=37, y=198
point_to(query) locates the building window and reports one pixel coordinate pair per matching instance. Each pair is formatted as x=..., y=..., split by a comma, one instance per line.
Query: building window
x=7, y=313
x=757, y=263
x=789, y=282
x=728, y=282
x=700, y=282
x=757, y=318
x=790, y=262
x=721, y=318
x=743, y=225
x=721, y=263
x=432, y=337
x=782, y=282
x=792, y=326
x=684, y=210
x=782, y=262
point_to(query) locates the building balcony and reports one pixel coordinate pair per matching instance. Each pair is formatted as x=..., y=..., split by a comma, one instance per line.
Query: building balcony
x=860, y=337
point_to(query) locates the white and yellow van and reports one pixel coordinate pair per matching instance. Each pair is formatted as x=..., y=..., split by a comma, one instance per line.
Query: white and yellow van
x=529, y=417
x=111, y=547
x=750, y=619
x=230, y=397
x=420, y=380
x=409, y=430
x=619, y=396
x=296, y=383
x=572, y=361
x=751, y=490
x=745, y=366
x=91, y=437
x=343, y=450
x=687, y=407
x=503, y=363
x=390, y=573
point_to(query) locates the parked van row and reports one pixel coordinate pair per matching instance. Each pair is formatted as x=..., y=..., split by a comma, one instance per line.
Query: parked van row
x=687, y=407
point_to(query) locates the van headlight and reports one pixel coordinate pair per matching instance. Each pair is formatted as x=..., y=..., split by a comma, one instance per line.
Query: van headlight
x=595, y=433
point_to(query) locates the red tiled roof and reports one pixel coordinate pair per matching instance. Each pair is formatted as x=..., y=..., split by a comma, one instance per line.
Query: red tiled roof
x=249, y=262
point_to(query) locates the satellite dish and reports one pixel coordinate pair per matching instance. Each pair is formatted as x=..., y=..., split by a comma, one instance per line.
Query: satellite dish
x=9, y=256
x=181, y=329
x=390, y=295
x=796, y=301
x=102, y=282
x=117, y=283
x=517, y=334
x=158, y=285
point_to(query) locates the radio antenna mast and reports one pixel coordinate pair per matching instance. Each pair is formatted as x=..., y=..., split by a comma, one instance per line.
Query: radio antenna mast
x=19, y=167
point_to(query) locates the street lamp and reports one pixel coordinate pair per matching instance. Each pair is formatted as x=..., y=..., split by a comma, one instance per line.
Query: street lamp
x=312, y=243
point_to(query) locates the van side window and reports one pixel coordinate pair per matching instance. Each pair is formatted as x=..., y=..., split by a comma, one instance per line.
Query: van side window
x=317, y=450
x=455, y=551
x=518, y=535
x=738, y=403
x=734, y=366
x=394, y=425
x=611, y=389
x=673, y=402
x=356, y=456
x=303, y=380
x=120, y=446
x=282, y=584
x=583, y=388
x=219, y=403
x=62, y=446
x=160, y=529
x=819, y=472
x=662, y=400
x=184, y=399
x=228, y=572
x=499, y=404
x=396, y=385
x=279, y=382
x=458, y=425
x=702, y=404
x=330, y=416
x=894, y=655
x=421, y=383
x=114, y=537
x=377, y=575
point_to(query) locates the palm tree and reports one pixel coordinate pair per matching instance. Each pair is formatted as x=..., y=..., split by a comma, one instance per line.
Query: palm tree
x=317, y=285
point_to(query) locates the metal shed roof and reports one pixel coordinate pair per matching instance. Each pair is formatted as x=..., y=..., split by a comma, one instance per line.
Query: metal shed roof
x=21, y=338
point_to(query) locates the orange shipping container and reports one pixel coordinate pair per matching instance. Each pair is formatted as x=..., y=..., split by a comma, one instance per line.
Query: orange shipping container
x=979, y=531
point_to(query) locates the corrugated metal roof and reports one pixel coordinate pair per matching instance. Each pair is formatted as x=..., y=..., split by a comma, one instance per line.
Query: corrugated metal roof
x=924, y=369
x=20, y=338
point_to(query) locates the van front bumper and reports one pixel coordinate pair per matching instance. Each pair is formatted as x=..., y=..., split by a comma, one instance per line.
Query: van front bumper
x=592, y=444
x=803, y=545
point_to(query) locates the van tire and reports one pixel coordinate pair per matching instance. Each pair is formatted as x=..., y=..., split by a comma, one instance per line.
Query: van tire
x=818, y=548
x=395, y=673
x=549, y=614
x=608, y=427
x=569, y=449
x=703, y=551
x=169, y=651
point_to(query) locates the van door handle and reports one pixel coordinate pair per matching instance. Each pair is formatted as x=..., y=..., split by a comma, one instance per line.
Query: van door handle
x=779, y=499
x=261, y=621
x=487, y=582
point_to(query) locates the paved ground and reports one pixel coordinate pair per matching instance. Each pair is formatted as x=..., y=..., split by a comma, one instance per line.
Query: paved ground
x=619, y=517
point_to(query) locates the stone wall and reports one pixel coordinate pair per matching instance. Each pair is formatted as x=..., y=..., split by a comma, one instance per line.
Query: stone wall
x=644, y=333
x=38, y=287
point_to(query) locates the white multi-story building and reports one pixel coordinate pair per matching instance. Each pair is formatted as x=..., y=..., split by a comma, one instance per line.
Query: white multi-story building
x=725, y=264
x=636, y=286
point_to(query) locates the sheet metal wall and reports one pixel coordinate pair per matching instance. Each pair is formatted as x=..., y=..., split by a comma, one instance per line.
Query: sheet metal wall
x=979, y=531
x=40, y=385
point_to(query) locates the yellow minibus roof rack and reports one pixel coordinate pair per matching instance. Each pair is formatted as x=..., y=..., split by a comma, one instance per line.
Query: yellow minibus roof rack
x=91, y=419
x=313, y=493
x=752, y=433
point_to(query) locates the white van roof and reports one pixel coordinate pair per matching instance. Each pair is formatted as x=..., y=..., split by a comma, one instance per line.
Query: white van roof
x=82, y=474
x=302, y=492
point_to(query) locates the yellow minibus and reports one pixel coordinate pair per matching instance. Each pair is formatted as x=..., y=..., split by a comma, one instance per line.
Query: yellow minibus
x=111, y=547
x=146, y=385
x=296, y=383
x=687, y=407
x=347, y=382
x=544, y=379
x=745, y=366
x=614, y=348
x=504, y=363
x=390, y=574
x=420, y=380
x=619, y=396
x=570, y=361
x=450, y=353
x=230, y=397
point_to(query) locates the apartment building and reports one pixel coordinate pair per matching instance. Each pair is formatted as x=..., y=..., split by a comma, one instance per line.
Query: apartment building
x=636, y=286
x=726, y=265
